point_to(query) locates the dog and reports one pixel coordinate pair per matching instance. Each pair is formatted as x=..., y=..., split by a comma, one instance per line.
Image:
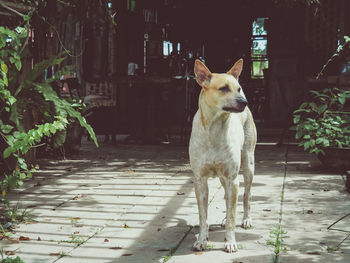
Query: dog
x=223, y=138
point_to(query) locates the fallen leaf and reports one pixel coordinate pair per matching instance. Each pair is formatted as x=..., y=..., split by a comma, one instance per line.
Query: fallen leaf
x=326, y=190
x=313, y=253
x=130, y=171
x=76, y=232
x=309, y=211
x=75, y=218
x=164, y=249
x=159, y=229
x=267, y=210
x=180, y=193
x=30, y=222
x=75, y=198
x=13, y=241
x=39, y=239
x=198, y=253
x=22, y=238
x=106, y=240
x=126, y=255
x=126, y=226
x=55, y=254
x=78, y=225
x=57, y=191
x=10, y=253
x=115, y=248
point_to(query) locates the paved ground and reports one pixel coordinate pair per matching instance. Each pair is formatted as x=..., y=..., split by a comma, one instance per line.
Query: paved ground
x=133, y=203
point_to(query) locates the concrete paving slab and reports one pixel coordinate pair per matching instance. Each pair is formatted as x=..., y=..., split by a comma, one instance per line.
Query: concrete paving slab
x=134, y=203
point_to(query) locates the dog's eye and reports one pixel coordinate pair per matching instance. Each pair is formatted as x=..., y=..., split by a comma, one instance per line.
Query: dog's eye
x=225, y=89
x=239, y=89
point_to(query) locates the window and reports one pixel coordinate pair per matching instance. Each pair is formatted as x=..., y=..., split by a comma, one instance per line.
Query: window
x=131, y=5
x=167, y=48
x=259, y=48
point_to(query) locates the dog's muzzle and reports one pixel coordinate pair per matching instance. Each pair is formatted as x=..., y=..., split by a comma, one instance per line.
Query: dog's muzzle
x=237, y=106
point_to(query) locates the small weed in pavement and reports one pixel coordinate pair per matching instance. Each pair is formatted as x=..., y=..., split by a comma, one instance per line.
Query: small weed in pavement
x=75, y=239
x=15, y=214
x=277, y=234
x=4, y=232
x=9, y=259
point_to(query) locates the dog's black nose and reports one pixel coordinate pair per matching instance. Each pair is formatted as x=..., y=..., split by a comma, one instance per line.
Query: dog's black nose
x=242, y=102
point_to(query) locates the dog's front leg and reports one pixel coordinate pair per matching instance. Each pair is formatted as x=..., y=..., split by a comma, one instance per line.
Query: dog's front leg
x=248, y=174
x=201, y=189
x=231, y=196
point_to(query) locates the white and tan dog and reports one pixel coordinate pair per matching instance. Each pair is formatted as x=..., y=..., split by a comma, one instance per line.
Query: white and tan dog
x=223, y=138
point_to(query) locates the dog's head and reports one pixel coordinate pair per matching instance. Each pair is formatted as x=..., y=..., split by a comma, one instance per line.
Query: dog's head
x=221, y=91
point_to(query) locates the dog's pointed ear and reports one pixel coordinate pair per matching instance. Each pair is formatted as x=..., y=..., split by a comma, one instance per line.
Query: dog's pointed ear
x=203, y=74
x=236, y=69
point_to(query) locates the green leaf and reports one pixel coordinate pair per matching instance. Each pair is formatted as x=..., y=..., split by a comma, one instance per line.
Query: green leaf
x=322, y=109
x=7, y=152
x=342, y=100
x=22, y=176
x=5, y=128
x=4, y=68
x=36, y=136
x=59, y=138
x=319, y=140
x=63, y=107
x=38, y=70
x=11, y=100
x=299, y=134
x=306, y=145
x=296, y=119
x=52, y=129
x=18, y=65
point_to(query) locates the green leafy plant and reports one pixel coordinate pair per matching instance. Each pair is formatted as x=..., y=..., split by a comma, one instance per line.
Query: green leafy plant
x=11, y=260
x=323, y=121
x=30, y=109
x=4, y=232
x=15, y=214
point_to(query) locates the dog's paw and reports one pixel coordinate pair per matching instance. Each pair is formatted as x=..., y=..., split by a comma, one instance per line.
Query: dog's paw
x=199, y=245
x=247, y=223
x=230, y=247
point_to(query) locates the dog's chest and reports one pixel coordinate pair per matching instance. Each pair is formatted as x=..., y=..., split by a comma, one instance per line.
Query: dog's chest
x=217, y=148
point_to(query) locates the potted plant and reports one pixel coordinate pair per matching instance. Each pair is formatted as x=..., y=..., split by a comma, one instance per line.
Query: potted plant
x=323, y=126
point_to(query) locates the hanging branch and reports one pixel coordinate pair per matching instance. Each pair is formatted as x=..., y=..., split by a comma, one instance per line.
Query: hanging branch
x=4, y=5
x=337, y=53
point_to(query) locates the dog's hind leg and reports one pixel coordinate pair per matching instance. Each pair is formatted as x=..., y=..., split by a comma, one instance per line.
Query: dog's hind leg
x=201, y=189
x=248, y=174
x=231, y=195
